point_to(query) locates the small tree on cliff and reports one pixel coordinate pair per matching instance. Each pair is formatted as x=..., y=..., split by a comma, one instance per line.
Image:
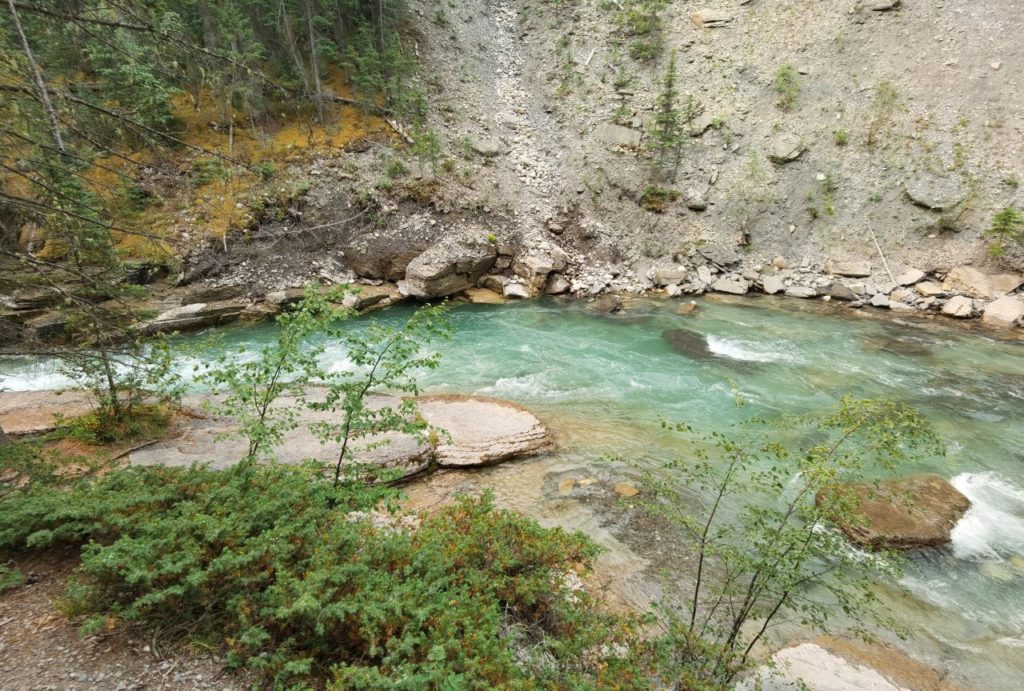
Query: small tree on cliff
x=666, y=134
x=765, y=540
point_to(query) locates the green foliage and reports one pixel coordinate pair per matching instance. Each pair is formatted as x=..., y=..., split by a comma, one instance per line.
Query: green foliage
x=641, y=21
x=426, y=146
x=657, y=199
x=884, y=104
x=666, y=135
x=764, y=536
x=841, y=137
x=787, y=86
x=288, y=573
x=1007, y=226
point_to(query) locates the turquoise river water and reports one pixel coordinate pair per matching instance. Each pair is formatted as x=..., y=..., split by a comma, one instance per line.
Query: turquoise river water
x=603, y=382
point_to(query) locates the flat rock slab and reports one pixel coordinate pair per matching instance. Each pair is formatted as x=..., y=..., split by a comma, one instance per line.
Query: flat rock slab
x=34, y=412
x=483, y=430
x=904, y=513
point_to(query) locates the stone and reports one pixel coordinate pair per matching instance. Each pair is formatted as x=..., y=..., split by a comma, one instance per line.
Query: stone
x=688, y=343
x=700, y=124
x=484, y=296
x=959, y=306
x=928, y=289
x=909, y=277
x=606, y=304
x=448, y=267
x=482, y=431
x=779, y=263
x=772, y=285
x=936, y=193
x=366, y=298
x=883, y=5
x=720, y=254
x=686, y=309
x=784, y=147
x=47, y=327
x=1001, y=284
x=493, y=282
x=1006, y=311
x=199, y=315
x=841, y=291
x=854, y=269
x=669, y=277
x=538, y=263
x=516, y=291
x=617, y=135
x=710, y=19
x=378, y=256
x=557, y=285
x=804, y=292
x=489, y=148
x=31, y=299
x=732, y=286
x=968, y=281
x=704, y=275
x=624, y=489
x=211, y=294
x=694, y=200
x=900, y=513
x=880, y=300
x=284, y=298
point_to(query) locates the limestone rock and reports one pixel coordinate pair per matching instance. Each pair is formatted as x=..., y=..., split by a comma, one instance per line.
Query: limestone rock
x=804, y=292
x=936, y=193
x=959, y=306
x=772, y=285
x=538, y=263
x=883, y=5
x=668, y=277
x=710, y=19
x=489, y=148
x=1007, y=310
x=48, y=326
x=929, y=289
x=785, y=147
x=1001, y=284
x=694, y=200
x=31, y=299
x=516, y=291
x=901, y=513
x=283, y=298
x=880, y=300
x=195, y=316
x=448, y=267
x=909, y=277
x=855, y=269
x=779, y=263
x=483, y=431
x=484, y=296
x=211, y=294
x=378, y=256
x=617, y=135
x=557, y=285
x=686, y=309
x=841, y=291
x=700, y=124
x=969, y=281
x=733, y=286
x=606, y=304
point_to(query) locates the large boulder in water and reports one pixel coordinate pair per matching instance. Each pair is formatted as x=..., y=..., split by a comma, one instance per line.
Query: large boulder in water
x=689, y=343
x=900, y=513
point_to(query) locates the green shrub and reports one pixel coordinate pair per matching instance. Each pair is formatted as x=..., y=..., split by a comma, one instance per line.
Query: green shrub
x=657, y=199
x=1007, y=225
x=787, y=86
x=254, y=558
x=841, y=137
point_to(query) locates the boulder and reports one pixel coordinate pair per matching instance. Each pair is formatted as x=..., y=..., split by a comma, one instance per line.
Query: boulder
x=47, y=327
x=448, y=267
x=1007, y=310
x=784, y=147
x=841, y=291
x=483, y=296
x=694, y=199
x=856, y=269
x=686, y=309
x=804, y=292
x=378, y=256
x=31, y=299
x=199, y=315
x=880, y=300
x=936, y=193
x=733, y=286
x=669, y=277
x=482, y=431
x=968, y=281
x=557, y=285
x=700, y=124
x=606, y=304
x=899, y=513
x=538, y=263
x=883, y=5
x=516, y=291
x=689, y=343
x=1001, y=284
x=772, y=285
x=284, y=298
x=909, y=277
x=211, y=294
x=367, y=298
x=489, y=148
x=617, y=135
x=929, y=289
x=959, y=306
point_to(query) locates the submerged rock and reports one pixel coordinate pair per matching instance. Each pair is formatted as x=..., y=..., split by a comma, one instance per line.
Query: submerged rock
x=901, y=513
x=688, y=343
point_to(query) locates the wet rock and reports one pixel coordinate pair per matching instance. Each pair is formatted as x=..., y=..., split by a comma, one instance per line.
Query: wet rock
x=900, y=513
x=732, y=286
x=909, y=277
x=936, y=193
x=772, y=285
x=855, y=269
x=1007, y=310
x=689, y=343
x=959, y=306
x=366, y=298
x=196, y=316
x=967, y=280
x=448, y=267
x=784, y=147
x=516, y=291
x=617, y=135
x=484, y=296
x=804, y=292
x=483, y=431
x=686, y=309
x=557, y=285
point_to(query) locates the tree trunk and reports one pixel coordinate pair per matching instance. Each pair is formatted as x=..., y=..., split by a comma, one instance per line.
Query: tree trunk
x=37, y=77
x=289, y=38
x=314, y=66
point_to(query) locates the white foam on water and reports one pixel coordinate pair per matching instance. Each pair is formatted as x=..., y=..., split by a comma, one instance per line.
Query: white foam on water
x=993, y=528
x=526, y=386
x=746, y=351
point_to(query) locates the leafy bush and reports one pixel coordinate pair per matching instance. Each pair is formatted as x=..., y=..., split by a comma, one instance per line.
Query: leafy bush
x=787, y=86
x=256, y=559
